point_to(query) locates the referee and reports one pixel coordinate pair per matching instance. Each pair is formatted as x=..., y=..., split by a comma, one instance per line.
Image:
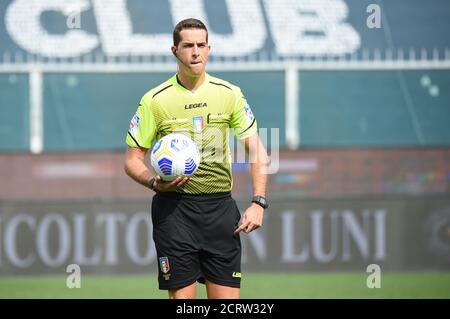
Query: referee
x=195, y=219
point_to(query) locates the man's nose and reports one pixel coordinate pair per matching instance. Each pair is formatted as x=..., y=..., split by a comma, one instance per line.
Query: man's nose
x=196, y=50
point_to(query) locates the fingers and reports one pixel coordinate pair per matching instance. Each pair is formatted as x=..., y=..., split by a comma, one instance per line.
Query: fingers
x=239, y=229
x=183, y=180
x=246, y=227
x=180, y=181
x=243, y=225
x=175, y=181
x=250, y=227
x=173, y=184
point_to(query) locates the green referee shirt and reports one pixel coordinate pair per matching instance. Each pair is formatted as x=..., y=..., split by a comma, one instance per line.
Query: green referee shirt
x=205, y=116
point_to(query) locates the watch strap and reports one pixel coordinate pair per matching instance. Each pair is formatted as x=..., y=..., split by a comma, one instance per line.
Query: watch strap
x=151, y=184
x=260, y=200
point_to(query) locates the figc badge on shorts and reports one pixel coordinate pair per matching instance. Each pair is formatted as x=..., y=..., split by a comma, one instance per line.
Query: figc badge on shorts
x=164, y=264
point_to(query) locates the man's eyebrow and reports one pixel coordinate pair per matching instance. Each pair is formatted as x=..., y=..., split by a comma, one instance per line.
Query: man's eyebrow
x=190, y=43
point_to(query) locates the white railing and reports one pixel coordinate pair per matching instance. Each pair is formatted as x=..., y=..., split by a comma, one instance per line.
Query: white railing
x=362, y=60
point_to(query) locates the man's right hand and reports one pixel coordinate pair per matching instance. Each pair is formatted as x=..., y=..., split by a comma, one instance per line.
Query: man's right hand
x=171, y=186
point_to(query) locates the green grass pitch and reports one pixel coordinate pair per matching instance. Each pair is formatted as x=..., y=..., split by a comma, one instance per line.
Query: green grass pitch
x=254, y=285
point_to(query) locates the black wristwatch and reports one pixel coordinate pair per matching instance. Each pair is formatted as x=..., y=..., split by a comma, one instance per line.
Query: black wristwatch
x=151, y=184
x=261, y=201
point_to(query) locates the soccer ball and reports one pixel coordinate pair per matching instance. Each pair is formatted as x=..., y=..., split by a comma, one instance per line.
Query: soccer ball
x=175, y=155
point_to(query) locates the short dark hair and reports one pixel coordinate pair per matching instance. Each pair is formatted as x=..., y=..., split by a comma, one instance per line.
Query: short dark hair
x=189, y=23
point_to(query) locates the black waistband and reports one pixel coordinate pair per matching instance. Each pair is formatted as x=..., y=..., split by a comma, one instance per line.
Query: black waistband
x=199, y=197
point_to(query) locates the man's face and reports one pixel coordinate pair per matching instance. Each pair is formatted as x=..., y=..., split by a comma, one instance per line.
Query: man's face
x=193, y=51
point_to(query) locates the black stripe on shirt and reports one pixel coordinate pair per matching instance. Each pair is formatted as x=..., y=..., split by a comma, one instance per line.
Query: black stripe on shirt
x=215, y=83
x=134, y=139
x=161, y=90
x=254, y=119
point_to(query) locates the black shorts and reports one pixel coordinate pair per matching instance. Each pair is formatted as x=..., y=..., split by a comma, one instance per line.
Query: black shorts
x=194, y=239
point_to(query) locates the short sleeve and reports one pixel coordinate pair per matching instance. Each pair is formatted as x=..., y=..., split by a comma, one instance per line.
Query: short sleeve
x=142, y=129
x=243, y=121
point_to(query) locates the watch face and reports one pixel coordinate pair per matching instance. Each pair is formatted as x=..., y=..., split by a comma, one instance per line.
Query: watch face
x=261, y=201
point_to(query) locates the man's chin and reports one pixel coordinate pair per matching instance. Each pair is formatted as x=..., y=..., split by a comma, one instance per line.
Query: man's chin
x=197, y=70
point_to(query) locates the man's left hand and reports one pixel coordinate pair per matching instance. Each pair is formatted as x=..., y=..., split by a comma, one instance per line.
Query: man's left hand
x=251, y=220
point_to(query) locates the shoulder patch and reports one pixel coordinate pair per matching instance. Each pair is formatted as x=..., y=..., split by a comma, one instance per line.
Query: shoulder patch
x=134, y=123
x=249, y=117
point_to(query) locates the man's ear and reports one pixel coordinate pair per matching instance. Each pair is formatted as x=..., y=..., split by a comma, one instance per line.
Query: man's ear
x=174, y=50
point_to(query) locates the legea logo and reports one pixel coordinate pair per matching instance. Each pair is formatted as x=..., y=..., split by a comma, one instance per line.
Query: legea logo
x=297, y=27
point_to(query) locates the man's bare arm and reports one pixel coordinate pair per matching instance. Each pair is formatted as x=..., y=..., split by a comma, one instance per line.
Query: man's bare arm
x=135, y=166
x=259, y=161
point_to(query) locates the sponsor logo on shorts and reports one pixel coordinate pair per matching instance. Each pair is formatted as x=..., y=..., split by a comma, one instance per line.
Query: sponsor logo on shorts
x=236, y=274
x=164, y=264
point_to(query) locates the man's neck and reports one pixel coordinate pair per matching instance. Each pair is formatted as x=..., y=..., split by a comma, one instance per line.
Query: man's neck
x=191, y=83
